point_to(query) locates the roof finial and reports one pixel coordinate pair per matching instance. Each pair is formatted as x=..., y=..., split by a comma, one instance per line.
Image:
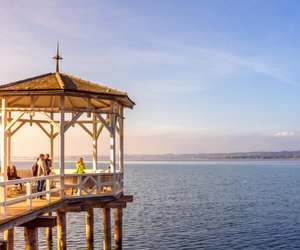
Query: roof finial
x=57, y=58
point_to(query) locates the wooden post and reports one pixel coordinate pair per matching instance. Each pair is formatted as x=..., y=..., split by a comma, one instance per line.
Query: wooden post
x=49, y=232
x=112, y=121
x=61, y=230
x=8, y=150
x=118, y=216
x=9, y=237
x=62, y=145
x=121, y=136
x=89, y=226
x=3, y=136
x=95, y=142
x=106, y=223
x=52, y=142
x=31, y=238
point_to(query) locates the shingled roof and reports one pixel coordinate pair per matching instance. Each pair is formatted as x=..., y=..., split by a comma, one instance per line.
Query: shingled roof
x=55, y=83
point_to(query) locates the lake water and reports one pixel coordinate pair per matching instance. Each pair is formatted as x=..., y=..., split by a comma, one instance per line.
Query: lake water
x=202, y=205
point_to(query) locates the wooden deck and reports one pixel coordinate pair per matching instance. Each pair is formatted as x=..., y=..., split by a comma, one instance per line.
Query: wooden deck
x=92, y=189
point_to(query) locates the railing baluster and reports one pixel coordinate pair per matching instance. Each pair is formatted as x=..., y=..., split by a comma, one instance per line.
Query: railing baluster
x=29, y=194
x=48, y=194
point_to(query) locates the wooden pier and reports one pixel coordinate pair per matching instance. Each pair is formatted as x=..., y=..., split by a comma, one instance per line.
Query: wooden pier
x=18, y=215
x=55, y=103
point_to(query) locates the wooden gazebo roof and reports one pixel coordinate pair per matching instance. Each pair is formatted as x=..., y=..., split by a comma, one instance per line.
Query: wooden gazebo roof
x=55, y=84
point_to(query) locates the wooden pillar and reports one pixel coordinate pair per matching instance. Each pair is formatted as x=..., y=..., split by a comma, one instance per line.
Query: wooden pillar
x=89, y=226
x=62, y=145
x=8, y=150
x=52, y=141
x=61, y=230
x=95, y=155
x=118, y=217
x=31, y=238
x=49, y=232
x=121, y=138
x=106, y=223
x=9, y=237
x=3, y=136
x=113, y=145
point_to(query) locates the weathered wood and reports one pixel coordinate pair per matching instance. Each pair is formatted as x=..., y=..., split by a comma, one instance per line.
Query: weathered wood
x=106, y=223
x=41, y=221
x=31, y=238
x=49, y=231
x=126, y=198
x=9, y=238
x=62, y=144
x=61, y=230
x=3, y=245
x=3, y=135
x=95, y=143
x=118, y=218
x=89, y=226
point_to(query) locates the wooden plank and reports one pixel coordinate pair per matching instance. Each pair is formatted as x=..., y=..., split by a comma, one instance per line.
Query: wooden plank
x=41, y=221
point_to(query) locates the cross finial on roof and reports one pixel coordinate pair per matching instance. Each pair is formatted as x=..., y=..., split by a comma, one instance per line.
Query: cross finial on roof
x=57, y=58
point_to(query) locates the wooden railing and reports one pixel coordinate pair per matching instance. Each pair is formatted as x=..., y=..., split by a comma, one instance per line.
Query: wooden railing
x=75, y=186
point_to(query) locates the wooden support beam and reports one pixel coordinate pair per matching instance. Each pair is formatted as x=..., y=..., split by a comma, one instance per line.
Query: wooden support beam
x=17, y=128
x=48, y=118
x=13, y=121
x=41, y=221
x=61, y=230
x=106, y=224
x=31, y=238
x=104, y=123
x=99, y=130
x=9, y=237
x=126, y=198
x=73, y=120
x=118, y=218
x=62, y=145
x=89, y=220
x=71, y=209
x=14, y=101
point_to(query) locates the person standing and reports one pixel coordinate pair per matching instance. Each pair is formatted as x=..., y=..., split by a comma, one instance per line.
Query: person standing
x=48, y=163
x=41, y=172
x=80, y=166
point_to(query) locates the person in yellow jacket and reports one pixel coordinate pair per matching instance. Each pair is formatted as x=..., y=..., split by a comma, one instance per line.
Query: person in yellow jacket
x=80, y=166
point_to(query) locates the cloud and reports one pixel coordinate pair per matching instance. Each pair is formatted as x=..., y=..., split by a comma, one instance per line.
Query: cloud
x=287, y=134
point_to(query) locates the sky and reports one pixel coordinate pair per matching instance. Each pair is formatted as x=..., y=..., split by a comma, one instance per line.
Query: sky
x=206, y=76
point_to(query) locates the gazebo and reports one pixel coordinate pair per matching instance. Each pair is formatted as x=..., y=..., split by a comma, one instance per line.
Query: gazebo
x=56, y=102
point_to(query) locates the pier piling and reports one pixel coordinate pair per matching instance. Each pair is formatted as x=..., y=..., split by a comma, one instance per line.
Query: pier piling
x=61, y=230
x=118, y=218
x=31, y=238
x=106, y=222
x=89, y=226
x=9, y=237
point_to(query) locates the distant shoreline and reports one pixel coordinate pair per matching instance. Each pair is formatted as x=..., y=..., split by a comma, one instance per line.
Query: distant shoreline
x=189, y=157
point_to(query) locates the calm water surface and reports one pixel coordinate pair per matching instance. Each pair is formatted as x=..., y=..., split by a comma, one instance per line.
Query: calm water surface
x=203, y=205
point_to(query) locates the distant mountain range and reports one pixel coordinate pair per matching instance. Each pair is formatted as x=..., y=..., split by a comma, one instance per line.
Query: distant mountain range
x=192, y=157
